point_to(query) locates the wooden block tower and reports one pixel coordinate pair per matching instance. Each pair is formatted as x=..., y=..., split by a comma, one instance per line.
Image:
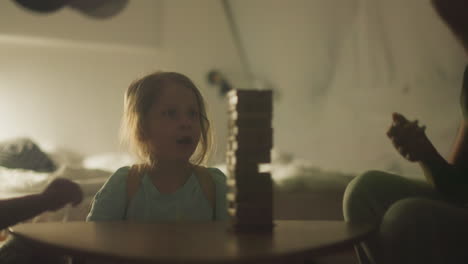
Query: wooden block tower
x=249, y=146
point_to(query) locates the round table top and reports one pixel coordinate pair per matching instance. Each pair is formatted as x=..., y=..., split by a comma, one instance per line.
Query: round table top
x=191, y=242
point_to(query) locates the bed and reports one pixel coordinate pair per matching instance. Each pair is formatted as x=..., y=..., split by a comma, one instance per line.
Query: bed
x=27, y=168
x=301, y=190
x=292, y=177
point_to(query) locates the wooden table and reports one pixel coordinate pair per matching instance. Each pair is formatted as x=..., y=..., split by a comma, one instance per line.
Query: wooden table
x=191, y=242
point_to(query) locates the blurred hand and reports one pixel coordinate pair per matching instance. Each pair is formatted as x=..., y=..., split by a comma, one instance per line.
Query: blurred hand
x=464, y=95
x=410, y=139
x=61, y=192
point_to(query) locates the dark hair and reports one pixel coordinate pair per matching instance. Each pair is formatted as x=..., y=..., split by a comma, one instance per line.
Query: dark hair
x=455, y=14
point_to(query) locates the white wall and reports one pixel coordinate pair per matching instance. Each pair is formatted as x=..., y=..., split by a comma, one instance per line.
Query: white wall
x=341, y=68
x=62, y=75
x=139, y=24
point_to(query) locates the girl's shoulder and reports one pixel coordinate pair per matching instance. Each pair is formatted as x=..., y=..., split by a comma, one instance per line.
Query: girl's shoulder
x=122, y=172
x=119, y=176
x=115, y=184
x=218, y=176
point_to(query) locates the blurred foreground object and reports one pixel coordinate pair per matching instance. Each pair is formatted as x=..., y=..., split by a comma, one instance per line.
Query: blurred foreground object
x=99, y=9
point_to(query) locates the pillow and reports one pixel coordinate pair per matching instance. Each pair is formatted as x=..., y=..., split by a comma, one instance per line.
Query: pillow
x=111, y=161
x=23, y=153
x=64, y=157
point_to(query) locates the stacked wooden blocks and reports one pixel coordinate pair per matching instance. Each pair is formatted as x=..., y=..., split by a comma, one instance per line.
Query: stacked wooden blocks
x=249, y=146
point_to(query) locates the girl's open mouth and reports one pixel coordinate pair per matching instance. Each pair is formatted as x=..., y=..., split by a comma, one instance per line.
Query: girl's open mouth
x=184, y=140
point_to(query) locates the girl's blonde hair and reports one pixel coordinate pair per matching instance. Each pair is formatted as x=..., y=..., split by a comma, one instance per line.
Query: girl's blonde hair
x=140, y=96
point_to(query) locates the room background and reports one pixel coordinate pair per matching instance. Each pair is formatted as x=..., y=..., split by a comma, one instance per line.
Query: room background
x=339, y=69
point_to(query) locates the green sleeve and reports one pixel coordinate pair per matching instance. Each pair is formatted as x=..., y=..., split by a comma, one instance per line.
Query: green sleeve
x=110, y=201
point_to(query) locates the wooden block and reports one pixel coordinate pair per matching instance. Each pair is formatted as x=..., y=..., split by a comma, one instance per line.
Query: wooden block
x=250, y=98
x=256, y=183
x=266, y=116
x=254, y=215
x=250, y=137
x=231, y=95
x=249, y=214
x=239, y=95
x=249, y=149
x=247, y=122
x=231, y=182
x=265, y=142
x=263, y=196
x=232, y=212
x=247, y=153
x=249, y=106
x=243, y=174
x=248, y=157
x=233, y=167
x=246, y=166
x=231, y=197
x=234, y=170
x=252, y=145
x=247, y=132
x=231, y=144
x=260, y=145
x=253, y=208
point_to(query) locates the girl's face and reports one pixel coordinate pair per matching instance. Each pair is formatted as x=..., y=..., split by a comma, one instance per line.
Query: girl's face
x=173, y=124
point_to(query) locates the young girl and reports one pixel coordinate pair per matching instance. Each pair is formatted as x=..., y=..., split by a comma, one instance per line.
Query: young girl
x=166, y=126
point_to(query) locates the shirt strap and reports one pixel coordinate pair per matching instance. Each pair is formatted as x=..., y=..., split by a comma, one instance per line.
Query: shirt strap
x=133, y=183
x=207, y=185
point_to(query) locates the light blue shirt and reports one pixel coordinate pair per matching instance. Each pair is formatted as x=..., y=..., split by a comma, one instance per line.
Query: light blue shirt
x=188, y=203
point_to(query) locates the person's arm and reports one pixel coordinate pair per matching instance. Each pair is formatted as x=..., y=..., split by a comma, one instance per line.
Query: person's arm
x=449, y=177
x=19, y=209
x=56, y=195
x=413, y=144
x=459, y=153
